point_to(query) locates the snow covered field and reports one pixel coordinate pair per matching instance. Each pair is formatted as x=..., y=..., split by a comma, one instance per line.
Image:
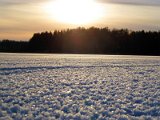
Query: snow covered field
x=79, y=87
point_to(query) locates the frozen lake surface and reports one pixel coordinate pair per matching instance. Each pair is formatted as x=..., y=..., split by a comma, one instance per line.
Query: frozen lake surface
x=79, y=87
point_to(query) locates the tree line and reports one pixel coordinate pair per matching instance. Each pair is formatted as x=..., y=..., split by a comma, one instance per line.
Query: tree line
x=89, y=41
x=13, y=46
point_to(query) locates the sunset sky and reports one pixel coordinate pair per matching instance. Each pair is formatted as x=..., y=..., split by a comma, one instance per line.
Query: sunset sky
x=19, y=19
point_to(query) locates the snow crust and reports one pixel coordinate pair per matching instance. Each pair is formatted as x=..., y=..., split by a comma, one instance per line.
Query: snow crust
x=79, y=87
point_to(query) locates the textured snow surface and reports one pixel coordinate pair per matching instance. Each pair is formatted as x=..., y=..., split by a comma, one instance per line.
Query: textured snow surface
x=79, y=87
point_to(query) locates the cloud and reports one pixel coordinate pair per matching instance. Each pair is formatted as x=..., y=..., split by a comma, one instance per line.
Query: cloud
x=20, y=2
x=131, y=2
x=134, y=2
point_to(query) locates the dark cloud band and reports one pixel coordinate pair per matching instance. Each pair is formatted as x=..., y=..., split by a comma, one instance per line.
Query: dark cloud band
x=133, y=2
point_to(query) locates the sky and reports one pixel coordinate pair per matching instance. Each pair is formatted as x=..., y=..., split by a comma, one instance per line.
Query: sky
x=19, y=19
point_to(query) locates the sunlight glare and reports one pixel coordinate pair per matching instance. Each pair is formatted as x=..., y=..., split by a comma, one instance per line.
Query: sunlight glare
x=78, y=12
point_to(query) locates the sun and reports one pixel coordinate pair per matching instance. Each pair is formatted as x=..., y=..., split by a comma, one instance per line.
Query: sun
x=77, y=12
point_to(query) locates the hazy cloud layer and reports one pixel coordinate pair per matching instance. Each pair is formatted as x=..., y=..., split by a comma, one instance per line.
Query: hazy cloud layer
x=18, y=17
x=134, y=2
x=19, y=2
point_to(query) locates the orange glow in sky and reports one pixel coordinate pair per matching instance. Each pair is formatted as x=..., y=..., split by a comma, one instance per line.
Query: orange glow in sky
x=19, y=19
x=76, y=12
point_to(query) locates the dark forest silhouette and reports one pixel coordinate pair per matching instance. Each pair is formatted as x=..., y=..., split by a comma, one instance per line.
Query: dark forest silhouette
x=89, y=41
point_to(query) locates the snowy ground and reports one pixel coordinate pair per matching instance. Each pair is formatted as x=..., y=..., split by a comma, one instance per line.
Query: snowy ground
x=79, y=87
